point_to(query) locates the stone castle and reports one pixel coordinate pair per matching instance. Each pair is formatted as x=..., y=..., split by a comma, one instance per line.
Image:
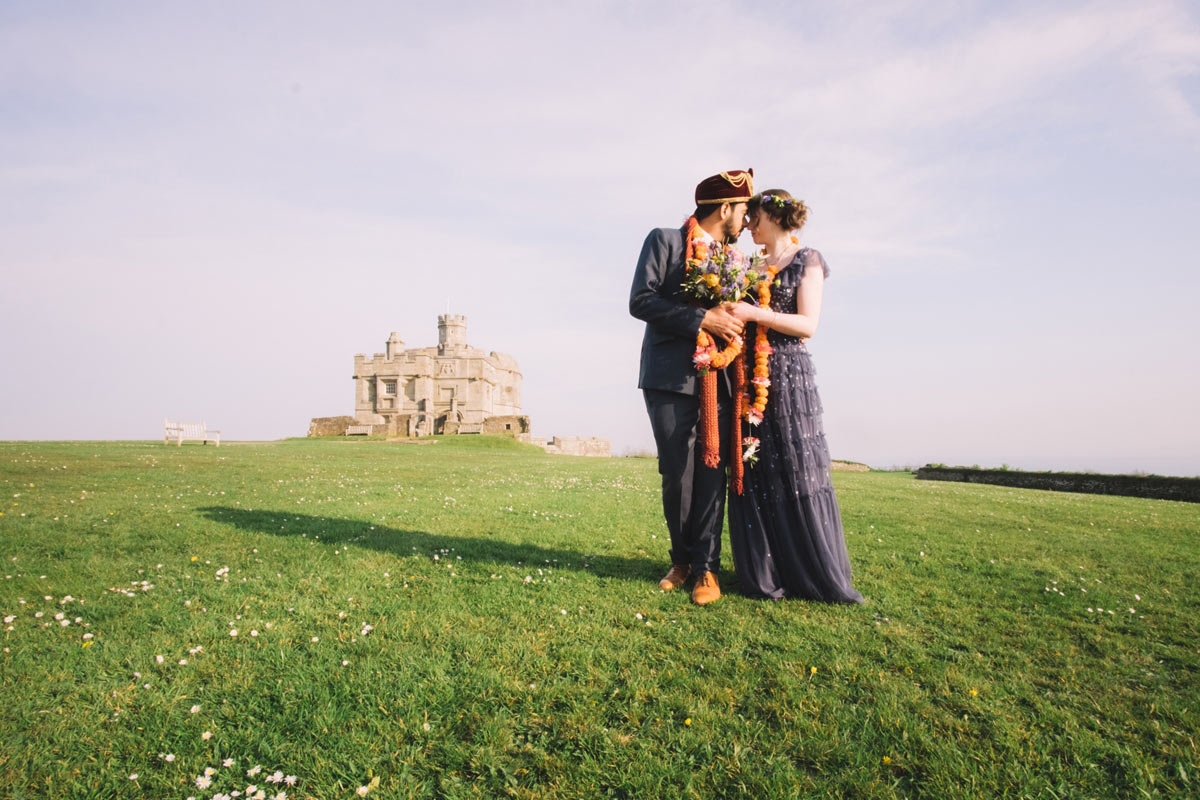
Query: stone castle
x=449, y=389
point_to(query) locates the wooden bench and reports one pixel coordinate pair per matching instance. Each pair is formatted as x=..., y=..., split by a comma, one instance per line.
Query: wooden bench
x=192, y=431
x=359, y=430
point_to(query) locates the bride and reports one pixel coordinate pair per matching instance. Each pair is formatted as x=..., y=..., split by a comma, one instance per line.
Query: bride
x=785, y=529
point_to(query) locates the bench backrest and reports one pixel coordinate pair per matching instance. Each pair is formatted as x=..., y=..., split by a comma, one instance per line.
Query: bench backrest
x=188, y=429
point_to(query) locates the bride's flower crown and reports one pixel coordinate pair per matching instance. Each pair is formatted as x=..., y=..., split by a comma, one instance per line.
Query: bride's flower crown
x=782, y=202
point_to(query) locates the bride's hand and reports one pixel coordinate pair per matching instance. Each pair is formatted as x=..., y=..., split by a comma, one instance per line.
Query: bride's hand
x=721, y=323
x=744, y=312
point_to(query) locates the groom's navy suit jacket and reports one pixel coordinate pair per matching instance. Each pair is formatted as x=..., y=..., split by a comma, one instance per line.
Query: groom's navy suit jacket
x=671, y=322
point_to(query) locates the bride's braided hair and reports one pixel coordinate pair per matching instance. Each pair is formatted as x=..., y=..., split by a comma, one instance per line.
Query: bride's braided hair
x=788, y=212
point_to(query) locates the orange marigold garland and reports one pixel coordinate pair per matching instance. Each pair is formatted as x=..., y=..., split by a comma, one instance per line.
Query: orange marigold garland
x=755, y=406
x=737, y=468
x=713, y=275
x=710, y=435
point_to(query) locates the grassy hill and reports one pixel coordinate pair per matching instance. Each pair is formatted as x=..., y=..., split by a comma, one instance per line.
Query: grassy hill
x=475, y=618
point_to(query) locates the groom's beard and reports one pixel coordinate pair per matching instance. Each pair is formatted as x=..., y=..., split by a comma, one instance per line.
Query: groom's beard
x=731, y=231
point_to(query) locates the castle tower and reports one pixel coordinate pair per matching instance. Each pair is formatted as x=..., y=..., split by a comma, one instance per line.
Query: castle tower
x=395, y=346
x=452, y=334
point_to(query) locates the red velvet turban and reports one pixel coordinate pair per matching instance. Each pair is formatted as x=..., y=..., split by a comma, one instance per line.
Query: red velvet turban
x=735, y=186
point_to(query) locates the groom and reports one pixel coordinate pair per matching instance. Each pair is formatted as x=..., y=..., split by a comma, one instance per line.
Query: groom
x=693, y=494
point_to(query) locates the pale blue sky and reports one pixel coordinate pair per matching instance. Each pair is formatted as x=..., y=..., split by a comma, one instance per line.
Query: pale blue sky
x=207, y=209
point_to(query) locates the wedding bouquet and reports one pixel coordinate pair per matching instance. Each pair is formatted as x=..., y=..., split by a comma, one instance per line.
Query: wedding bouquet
x=719, y=274
x=714, y=274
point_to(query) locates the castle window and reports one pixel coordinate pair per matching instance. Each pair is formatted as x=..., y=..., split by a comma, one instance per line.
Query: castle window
x=389, y=387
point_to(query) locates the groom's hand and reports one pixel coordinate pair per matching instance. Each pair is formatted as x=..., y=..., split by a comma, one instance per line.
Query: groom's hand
x=719, y=322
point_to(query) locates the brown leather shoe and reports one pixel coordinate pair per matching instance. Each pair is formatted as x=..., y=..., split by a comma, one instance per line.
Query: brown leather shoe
x=675, y=577
x=706, y=589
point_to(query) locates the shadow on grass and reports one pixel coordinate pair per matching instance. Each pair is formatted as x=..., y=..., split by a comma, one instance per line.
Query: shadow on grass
x=400, y=542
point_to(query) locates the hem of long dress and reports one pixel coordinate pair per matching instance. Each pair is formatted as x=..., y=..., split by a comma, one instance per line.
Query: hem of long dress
x=764, y=595
x=784, y=595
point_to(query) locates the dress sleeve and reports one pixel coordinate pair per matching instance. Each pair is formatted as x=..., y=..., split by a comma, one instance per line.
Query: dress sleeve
x=813, y=258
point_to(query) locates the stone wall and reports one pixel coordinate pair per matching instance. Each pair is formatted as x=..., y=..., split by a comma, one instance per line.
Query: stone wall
x=513, y=425
x=1151, y=486
x=404, y=425
x=570, y=445
x=329, y=426
x=400, y=425
x=578, y=446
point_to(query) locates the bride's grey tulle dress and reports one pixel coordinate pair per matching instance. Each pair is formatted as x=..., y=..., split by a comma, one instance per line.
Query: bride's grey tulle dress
x=785, y=529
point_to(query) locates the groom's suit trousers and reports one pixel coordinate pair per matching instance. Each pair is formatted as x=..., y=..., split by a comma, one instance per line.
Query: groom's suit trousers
x=693, y=494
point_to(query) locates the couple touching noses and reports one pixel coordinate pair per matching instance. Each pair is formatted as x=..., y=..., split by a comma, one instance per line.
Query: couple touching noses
x=785, y=526
x=725, y=223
